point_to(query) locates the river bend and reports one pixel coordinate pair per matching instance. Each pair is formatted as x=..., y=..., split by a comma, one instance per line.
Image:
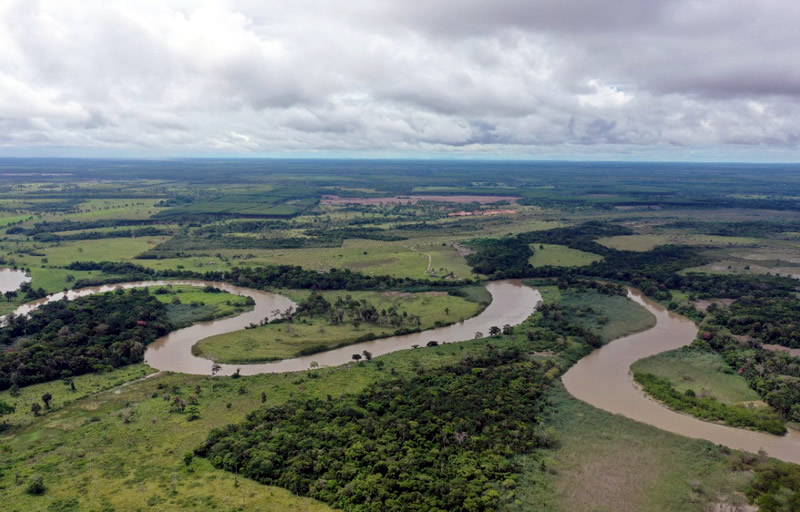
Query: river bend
x=603, y=379
x=512, y=302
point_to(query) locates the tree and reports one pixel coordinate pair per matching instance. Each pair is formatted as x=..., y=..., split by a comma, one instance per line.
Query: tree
x=507, y=330
x=367, y=355
x=36, y=408
x=6, y=408
x=356, y=357
x=46, y=398
x=194, y=412
x=446, y=311
x=36, y=486
x=494, y=331
x=263, y=397
x=478, y=335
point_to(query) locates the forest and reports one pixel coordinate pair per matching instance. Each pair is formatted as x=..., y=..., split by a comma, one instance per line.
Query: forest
x=443, y=440
x=65, y=338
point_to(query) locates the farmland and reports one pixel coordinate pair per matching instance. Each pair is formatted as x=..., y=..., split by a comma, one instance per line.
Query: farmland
x=370, y=249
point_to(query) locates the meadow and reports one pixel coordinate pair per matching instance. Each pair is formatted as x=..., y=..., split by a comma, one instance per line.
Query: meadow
x=105, y=446
x=705, y=373
x=560, y=256
x=316, y=333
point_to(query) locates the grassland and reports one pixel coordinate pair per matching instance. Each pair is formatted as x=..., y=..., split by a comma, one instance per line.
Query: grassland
x=284, y=340
x=645, y=242
x=705, y=373
x=64, y=395
x=85, y=451
x=606, y=462
x=190, y=304
x=111, y=249
x=560, y=256
x=614, y=315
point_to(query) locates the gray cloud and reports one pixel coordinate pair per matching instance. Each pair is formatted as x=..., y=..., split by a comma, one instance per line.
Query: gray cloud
x=505, y=77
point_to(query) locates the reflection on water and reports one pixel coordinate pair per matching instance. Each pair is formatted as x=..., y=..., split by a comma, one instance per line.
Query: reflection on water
x=11, y=279
x=603, y=379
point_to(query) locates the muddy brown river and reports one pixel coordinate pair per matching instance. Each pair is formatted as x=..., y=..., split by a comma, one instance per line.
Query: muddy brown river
x=603, y=379
x=512, y=303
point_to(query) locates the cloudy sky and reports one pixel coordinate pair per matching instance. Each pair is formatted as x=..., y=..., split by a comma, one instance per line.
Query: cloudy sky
x=579, y=79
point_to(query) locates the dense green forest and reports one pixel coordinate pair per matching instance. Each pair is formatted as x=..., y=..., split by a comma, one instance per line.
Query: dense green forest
x=444, y=440
x=66, y=338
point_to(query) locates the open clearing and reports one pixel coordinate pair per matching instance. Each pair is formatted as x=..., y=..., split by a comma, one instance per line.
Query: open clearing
x=560, y=256
x=705, y=373
x=284, y=340
x=413, y=199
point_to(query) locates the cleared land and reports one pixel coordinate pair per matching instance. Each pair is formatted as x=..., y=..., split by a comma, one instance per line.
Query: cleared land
x=610, y=316
x=284, y=340
x=560, y=256
x=705, y=373
x=607, y=462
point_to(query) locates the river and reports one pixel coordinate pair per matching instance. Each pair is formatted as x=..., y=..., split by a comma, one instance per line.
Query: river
x=603, y=379
x=511, y=304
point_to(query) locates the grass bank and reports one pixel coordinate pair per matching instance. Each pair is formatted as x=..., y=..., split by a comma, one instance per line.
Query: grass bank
x=316, y=333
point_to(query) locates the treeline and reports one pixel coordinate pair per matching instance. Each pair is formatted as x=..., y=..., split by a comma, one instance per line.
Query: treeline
x=654, y=272
x=769, y=319
x=709, y=409
x=267, y=277
x=66, y=338
x=181, y=245
x=353, y=310
x=71, y=225
x=447, y=439
x=747, y=229
x=774, y=375
x=98, y=235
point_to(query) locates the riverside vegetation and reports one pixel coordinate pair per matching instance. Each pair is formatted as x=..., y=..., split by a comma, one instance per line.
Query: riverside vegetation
x=703, y=237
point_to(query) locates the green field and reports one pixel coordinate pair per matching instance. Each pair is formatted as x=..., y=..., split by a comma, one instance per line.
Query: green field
x=615, y=316
x=642, y=243
x=399, y=259
x=284, y=340
x=638, y=243
x=110, y=249
x=187, y=305
x=607, y=462
x=706, y=373
x=560, y=256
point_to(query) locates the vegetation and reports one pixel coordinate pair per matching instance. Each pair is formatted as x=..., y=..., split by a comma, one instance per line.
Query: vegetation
x=398, y=446
x=709, y=409
x=560, y=256
x=710, y=232
x=66, y=338
x=326, y=320
x=704, y=372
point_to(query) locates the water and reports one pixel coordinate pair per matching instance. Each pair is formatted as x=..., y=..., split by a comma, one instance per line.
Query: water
x=603, y=379
x=11, y=279
x=512, y=303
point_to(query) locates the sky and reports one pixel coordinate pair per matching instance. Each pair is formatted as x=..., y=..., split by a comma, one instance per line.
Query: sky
x=542, y=79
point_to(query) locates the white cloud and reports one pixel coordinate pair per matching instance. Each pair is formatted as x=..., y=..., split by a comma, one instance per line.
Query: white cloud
x=505, y=77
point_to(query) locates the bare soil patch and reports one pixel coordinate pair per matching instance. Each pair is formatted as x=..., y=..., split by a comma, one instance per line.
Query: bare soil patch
x=336, y=200
x=702, y=305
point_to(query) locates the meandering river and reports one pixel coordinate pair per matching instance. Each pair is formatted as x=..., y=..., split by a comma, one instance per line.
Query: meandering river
x=512, y=303
x=603, y=379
